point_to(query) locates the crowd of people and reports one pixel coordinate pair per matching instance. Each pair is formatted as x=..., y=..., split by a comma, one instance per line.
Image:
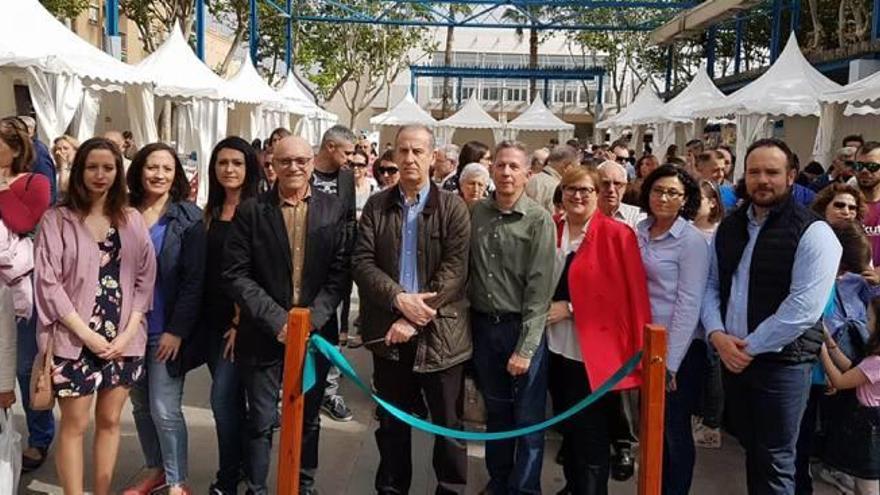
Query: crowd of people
x=532, y=271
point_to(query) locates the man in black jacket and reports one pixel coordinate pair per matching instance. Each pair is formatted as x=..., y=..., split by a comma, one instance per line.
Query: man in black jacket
x=285, y=249
x=332, y=177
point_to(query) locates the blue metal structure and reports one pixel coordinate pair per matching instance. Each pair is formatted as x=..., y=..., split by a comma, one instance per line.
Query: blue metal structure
x=200, y=29
x=111, y=18
x=546, y=74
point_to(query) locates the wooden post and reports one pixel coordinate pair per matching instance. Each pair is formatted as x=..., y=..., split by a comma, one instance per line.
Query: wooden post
x=292, y=402
x=653, y=404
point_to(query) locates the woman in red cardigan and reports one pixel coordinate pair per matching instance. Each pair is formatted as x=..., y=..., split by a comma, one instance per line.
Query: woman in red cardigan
x=595, y=325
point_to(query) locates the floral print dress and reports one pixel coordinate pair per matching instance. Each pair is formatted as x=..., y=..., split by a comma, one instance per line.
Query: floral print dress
x=89, y=373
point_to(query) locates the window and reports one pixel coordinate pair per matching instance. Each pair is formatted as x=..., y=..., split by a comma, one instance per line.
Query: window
x=466, y=93
x=94, y=13
x=123, y=42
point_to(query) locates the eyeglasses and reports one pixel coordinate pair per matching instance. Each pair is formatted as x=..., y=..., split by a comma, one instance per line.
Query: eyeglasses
x=858, y=166
x=659, y=192
x=301, y=162
x=578, y=191
x=358, y=165
x=840, y=205
x=387, y=170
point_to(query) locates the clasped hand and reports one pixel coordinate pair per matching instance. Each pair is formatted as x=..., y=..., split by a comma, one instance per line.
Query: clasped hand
x=414, y=308
x=731, y=350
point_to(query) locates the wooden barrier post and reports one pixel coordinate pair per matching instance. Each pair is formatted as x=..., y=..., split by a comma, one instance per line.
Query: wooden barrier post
x=292, y=402
x=652, y=408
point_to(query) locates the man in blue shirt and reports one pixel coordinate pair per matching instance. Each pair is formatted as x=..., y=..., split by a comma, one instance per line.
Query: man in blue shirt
x=772, y=269
x=410, y=263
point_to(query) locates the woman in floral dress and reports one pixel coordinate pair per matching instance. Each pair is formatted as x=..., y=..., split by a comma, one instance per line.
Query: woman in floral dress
x=94, y=269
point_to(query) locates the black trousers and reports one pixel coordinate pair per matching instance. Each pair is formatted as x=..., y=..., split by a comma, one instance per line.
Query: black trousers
x=586, y=441
x=262, y=386
x=397, y=383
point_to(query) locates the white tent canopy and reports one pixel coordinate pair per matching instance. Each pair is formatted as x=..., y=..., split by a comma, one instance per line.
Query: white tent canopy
x=315, y=120
x=406, y=112
x=539, y=118
x=32, y=37
x=865, y=90
x=470, y=116
x=250, y=120
x=700, y=94
x=646, y=103
x=790, y=87
x=247, y=85
x=66, y=75
x=298, y=97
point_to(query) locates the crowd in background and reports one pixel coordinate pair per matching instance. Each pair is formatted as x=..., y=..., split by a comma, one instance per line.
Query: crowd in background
x=532, y=272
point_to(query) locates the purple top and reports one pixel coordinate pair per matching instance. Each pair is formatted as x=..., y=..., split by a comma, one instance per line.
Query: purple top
x=66, y=277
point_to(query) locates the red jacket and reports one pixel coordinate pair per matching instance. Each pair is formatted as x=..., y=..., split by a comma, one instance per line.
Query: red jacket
x=609, y=294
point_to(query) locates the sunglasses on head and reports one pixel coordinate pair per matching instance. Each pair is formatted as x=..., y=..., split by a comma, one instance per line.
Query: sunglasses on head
x=387, y=170
x=859, y=166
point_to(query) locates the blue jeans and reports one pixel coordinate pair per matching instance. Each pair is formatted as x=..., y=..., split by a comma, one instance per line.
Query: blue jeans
x=40, y=424
x=228, y=405
x=678, y=440
x=766, y=403
x=158, y=417
x=511, y=402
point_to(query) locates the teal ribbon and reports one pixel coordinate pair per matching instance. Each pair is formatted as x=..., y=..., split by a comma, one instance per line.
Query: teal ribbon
x=320, y=344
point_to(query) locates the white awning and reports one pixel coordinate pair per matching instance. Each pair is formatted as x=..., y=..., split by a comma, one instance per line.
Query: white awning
x=406, y=112
x=700, y=94
x=471, y=116
x=539, y=118
x=646, y=103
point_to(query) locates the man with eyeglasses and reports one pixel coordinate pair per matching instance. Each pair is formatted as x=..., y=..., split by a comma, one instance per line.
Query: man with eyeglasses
x=772, y=267
x=332, y=176
x=612, y=187
x=867, y=169
x=286, y=248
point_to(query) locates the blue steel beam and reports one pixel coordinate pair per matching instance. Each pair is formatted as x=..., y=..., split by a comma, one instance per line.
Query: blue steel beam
x=253, y=28
x=496, y=25
x=594, y=4
x=288, y=33
x=111, y=18
x=875, y=21
x=795, y=15
x=200, y=29
x=669, y=60
x=775, y=30
x=711, y=43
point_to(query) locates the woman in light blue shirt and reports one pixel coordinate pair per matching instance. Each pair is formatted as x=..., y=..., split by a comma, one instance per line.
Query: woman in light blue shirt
x=676, y=259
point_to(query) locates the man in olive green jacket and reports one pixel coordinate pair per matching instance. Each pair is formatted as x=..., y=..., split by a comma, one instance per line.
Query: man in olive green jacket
x=410, y=264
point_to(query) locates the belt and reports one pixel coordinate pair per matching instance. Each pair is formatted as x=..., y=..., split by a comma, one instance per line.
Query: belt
x=497, y=318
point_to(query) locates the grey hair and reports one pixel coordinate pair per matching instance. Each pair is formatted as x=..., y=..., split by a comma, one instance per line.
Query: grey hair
x=609, y=164
x=512, y=144
x=474, y=170
x=451, y=151
x=417, y=127
x=562, y=154
x=338, y=134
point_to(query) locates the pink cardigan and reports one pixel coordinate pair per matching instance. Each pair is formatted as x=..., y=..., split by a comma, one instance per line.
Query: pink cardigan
x=66, y=272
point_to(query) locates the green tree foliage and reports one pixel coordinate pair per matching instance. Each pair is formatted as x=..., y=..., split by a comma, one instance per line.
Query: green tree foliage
x=154, y=18
x=65, y=9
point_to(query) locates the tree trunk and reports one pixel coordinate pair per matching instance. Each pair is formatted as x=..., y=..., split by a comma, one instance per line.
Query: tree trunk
x=236, y=42
x=447, y=61
x=533, y=64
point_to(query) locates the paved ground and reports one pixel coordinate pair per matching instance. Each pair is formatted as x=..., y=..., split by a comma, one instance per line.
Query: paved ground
x=348, y=456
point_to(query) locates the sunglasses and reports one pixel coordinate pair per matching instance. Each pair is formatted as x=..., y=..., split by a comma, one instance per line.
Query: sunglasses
x=840, y=205
x=358, y=165
x=387, y=170
x=858, y=166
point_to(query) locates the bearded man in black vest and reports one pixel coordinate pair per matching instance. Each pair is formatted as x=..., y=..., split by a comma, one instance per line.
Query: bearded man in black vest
x=771, y=275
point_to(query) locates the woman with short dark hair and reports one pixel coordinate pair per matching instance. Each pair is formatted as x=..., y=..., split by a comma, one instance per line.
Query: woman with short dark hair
x=676, y=259
x=94, y=271
x=159, y=189
x=840, y=203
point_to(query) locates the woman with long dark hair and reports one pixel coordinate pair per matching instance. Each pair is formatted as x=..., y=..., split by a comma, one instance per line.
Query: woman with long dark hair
x=159, y=189
x=233, y=177
x=94, y=271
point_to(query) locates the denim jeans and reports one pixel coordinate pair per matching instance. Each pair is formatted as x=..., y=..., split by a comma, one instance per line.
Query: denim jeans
x=40, y=424
x=158, y=416
x=766, y=402
x=712, y=407
x=262, y=387
x=228, y=405
x=678, y=440
x=511, y=402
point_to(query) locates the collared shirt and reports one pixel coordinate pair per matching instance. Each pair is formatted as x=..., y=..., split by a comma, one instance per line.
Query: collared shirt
x=676, y=266
x=629, y=214
x=409, y=239
x=295, y=215
x=815, y=266
x=512, y=260
x=542, y=186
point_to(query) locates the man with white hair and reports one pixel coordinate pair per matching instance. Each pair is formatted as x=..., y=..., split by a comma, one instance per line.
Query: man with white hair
x=445, y=164
x=612, y=187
